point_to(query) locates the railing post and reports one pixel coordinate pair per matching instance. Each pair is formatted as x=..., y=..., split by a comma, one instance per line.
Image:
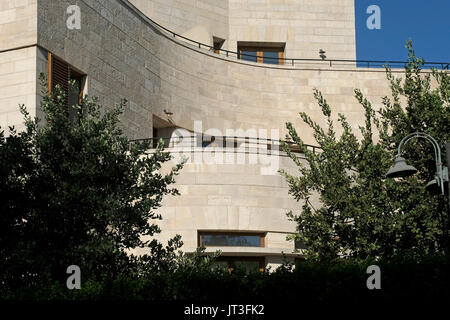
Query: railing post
x=247, y=147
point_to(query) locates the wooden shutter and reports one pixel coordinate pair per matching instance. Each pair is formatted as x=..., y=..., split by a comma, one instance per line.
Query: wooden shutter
x=259, y=55
x=59, y=74
x=280, y=57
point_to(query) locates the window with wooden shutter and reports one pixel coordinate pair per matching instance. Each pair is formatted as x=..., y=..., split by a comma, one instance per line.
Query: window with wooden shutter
x=261, y=52
x=60, y=73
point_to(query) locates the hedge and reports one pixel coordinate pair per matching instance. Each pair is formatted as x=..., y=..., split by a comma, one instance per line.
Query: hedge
x=405, y=279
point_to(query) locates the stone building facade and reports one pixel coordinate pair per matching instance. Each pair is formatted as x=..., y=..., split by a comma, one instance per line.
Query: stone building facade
x=124, y=50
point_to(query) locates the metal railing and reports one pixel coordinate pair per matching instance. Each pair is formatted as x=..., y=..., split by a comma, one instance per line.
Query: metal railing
x=225, y=144
x=294, y=62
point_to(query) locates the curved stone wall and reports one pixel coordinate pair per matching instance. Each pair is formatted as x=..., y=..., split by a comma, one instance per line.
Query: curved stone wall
x=230, y=197
x=228, y=93
x=199, y=20
x=306, y=26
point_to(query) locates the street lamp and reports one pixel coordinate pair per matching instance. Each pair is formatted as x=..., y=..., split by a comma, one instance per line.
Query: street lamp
x=402, y=169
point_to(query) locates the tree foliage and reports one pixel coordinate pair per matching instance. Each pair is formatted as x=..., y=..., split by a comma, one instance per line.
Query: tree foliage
x=76, y=191
x=360, y=212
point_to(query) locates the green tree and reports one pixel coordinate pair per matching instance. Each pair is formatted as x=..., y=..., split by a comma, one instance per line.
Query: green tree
x=77, y=191
x=361, y=213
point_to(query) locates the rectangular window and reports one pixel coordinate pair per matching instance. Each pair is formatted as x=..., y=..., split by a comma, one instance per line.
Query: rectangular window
x=299, y=245
x=271, y=57
x=62, y=74
x=272, y=53
x=230, y=239
x=249, y=264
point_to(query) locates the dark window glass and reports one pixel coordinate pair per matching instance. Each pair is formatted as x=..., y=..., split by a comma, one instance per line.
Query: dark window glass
x=270, y=57
x=299, y=245
x=216, y=240
x=249, y=55
x=248, y=266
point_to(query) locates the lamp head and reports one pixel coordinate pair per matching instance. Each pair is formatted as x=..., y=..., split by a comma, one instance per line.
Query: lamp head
x=400, y=169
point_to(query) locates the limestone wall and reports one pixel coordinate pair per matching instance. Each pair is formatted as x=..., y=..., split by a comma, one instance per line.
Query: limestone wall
x=306, y=26
x=226, y=93
x=117, y=51
x=18, y=83
x=18, y=60
x=230, y=197
x=198, y=20
x=18, y=23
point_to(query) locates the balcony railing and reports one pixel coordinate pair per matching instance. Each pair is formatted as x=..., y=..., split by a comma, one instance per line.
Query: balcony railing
x=225, y=144
x=306, y=62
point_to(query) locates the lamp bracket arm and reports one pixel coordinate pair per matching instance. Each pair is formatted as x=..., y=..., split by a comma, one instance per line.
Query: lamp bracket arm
x=437, y=150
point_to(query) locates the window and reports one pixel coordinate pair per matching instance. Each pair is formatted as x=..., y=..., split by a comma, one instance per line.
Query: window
x=299, y=245
x=249, y=264
x=230, y=239
x=272, y=53
x=60, y=73
x=249, y=54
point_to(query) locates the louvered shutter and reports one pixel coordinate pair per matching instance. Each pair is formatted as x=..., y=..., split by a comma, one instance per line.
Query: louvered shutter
x=59, y=74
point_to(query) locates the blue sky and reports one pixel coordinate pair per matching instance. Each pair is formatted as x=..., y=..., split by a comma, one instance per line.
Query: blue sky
x=426, y=22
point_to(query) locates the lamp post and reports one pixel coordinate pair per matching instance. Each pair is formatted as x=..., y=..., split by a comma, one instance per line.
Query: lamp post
x=402, y=169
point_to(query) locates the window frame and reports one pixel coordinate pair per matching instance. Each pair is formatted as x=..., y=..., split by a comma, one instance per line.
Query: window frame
x=260, y=52
x=72, y=73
